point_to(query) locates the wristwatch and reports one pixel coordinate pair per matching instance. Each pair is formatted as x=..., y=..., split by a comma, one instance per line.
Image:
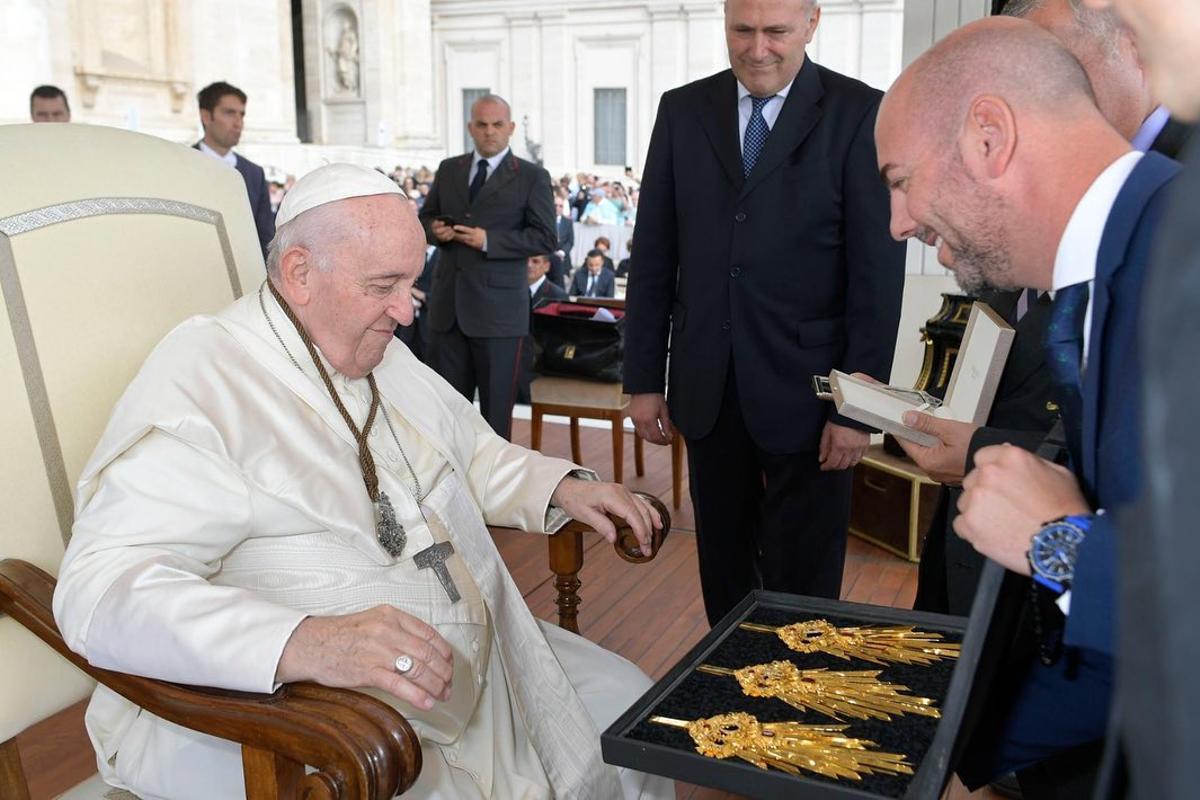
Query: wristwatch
x=1053, y=551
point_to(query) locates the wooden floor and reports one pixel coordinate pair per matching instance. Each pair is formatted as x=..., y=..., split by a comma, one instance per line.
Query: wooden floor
x=651, y=614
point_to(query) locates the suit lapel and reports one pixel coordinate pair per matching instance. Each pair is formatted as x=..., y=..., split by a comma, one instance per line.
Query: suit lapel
x=797, y=118
x=454, y=184
x=720, y=123
x=1150, y=173
x=505, y=172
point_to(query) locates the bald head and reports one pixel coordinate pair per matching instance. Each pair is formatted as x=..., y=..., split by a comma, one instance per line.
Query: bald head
x=987, y=142
x=1106, y=51
x=1005, y=58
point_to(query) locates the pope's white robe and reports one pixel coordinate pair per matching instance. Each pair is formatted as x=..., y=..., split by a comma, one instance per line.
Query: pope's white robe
x=225, y=503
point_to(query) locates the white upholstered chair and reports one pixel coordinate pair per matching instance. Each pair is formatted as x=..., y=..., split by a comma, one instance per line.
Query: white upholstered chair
x=108, y=239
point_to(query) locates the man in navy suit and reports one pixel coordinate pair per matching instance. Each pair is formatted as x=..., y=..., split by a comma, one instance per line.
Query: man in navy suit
x=594, y=279
x=222, y=112
x=764, y=258
x=994, y=151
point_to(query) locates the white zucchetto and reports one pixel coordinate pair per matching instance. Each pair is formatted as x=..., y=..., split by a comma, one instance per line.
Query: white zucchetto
x=330, y=183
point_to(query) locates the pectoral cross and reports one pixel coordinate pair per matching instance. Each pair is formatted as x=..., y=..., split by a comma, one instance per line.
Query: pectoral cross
x=434, y=557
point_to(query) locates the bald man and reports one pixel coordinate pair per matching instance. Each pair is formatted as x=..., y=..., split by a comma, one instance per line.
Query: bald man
x=1024, y=410
x=1157, y=694
x=995, y=153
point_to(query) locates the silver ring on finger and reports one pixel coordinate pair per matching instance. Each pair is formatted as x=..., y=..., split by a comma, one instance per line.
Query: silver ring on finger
x=403, y=664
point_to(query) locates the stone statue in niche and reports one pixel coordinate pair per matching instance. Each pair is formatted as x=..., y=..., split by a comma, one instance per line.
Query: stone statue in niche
x=533, y=148
x=345, y=58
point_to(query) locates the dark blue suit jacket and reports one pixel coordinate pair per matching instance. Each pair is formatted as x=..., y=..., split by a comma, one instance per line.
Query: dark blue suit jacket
x=260, y=199
x=1066, y=704
x=782, y=275
x=606, y=284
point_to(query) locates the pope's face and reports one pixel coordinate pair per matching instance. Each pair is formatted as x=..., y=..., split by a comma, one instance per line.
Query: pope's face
x=766, y=41
x=355, y=307
x=1168, y=38
x=935, y=200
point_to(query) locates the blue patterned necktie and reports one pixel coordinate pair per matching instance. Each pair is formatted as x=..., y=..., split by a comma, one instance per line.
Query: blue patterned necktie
x=1064, y=358
x=756, y=134
x=480, y=177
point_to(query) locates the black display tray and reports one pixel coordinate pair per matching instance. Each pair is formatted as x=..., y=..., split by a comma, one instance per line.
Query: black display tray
x=683, y=693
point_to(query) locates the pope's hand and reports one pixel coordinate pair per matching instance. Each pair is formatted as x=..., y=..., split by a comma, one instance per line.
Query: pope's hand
x=591, y=502
x=650, y=418
x=1008, y=497
x=946, y=461
x=357, y=651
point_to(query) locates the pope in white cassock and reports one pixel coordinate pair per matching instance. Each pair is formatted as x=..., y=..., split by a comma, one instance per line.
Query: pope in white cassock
x=263, y=508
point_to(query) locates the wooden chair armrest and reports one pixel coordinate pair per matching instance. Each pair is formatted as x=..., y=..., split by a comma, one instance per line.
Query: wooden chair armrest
x=362, y=748
x=566, y=557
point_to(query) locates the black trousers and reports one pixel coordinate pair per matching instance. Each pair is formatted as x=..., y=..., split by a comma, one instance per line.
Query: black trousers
x=489, y=364
x=763, y=520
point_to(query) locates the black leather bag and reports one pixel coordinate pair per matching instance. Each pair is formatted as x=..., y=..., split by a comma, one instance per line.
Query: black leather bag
x=575, y=345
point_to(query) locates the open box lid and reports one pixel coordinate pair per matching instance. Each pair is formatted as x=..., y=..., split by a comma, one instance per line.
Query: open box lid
x=972, y=389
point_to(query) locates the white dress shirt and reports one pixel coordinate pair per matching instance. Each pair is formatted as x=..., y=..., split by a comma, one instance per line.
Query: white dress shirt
x=1075, y=261
x=770, y=110
x=533, y=287
x=229, y=158
x=492, y=163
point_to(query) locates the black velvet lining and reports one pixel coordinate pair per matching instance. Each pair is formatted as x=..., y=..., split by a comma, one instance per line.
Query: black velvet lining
x=701, y=695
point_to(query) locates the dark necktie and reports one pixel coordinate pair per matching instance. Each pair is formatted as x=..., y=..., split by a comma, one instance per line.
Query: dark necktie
x=1064, y=359
x=480, y=177
x=756, y=134
x=591, y=284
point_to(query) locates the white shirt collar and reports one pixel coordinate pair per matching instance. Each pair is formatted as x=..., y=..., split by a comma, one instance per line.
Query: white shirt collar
x=493, y=162
x=229, y=158
x=1151, y=127
x=533, y=287
x=782, y=94
x=1075, y=261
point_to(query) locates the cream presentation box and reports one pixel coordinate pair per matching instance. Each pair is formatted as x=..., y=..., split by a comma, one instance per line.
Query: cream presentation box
x=977, y=369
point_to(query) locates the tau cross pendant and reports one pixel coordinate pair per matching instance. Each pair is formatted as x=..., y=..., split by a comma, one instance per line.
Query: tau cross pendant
x=390, y=533
x=434, y=557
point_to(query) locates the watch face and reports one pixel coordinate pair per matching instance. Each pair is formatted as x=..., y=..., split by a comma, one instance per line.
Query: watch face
x=1052, y=553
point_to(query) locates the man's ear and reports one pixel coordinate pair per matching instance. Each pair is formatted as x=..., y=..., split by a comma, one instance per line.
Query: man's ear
x=205, y=118
x=296, y=272
x=989, y=137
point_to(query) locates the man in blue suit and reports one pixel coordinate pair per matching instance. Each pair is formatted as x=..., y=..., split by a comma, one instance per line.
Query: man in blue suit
x=995, y=152
x=222, y=112
x=594, y=279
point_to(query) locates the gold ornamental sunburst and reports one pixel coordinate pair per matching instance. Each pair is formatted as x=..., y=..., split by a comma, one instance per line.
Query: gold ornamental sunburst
x=789, y=746
x=879, y=644
x=859, y=694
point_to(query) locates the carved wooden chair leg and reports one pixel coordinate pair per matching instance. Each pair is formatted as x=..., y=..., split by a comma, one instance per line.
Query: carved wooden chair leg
x=269, y=775
x=618, y=442
x=639, y=457
x=12, y=776
x=535, y=428
x=566, y=559
x=576, y=449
